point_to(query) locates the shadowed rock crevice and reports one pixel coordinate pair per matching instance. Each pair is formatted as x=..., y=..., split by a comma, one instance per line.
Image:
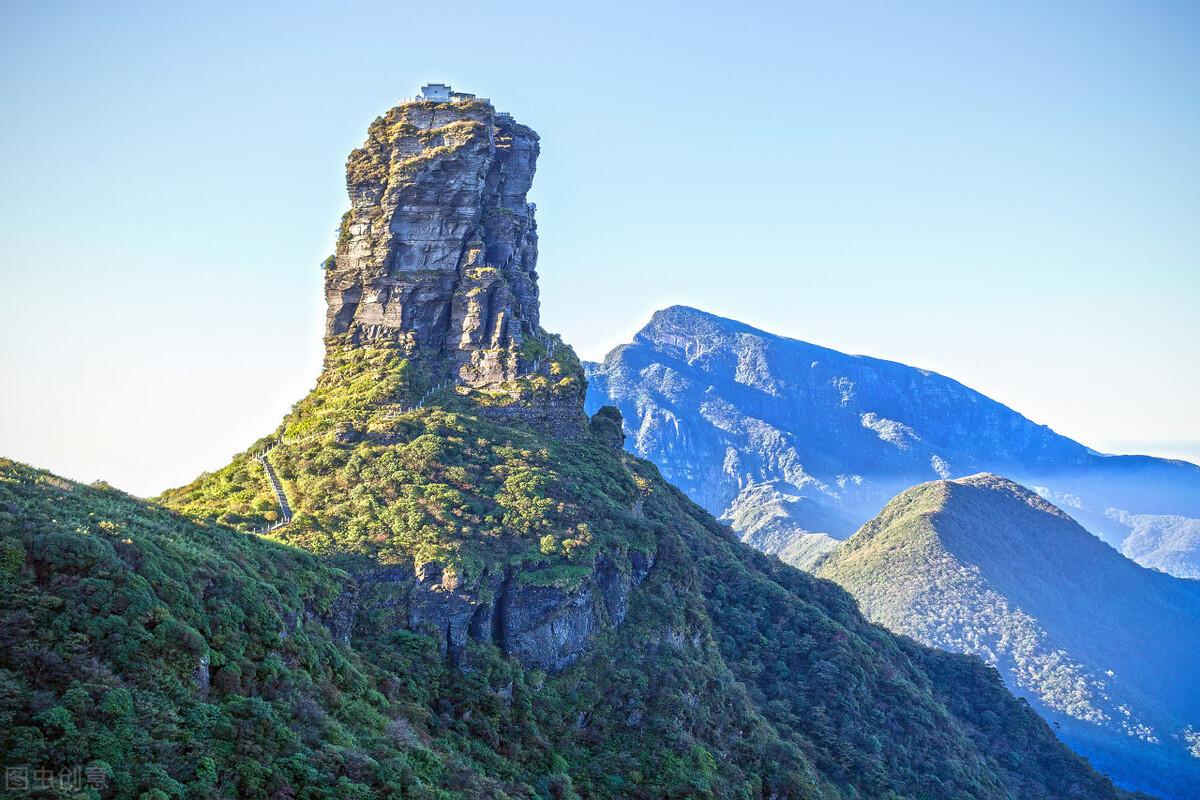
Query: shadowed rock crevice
x=543, y=625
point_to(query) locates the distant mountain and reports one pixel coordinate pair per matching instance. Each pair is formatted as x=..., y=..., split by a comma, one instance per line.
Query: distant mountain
x=1161, y=541
x=765, y=517
x=1105, y=649
x=724, y=408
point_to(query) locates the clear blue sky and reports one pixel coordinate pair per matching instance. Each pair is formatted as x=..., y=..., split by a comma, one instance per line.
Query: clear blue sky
x=1007, y=193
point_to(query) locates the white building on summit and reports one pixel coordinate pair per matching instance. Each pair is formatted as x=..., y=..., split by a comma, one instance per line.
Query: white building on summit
x=442, y=93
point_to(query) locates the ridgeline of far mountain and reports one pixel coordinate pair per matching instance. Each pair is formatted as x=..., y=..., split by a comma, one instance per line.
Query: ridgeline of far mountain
x=765, y=430
x=1166, y=542
x=475, y=592
x=1107, y=650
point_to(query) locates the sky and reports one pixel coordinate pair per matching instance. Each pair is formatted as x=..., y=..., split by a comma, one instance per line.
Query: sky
x=1008, y=194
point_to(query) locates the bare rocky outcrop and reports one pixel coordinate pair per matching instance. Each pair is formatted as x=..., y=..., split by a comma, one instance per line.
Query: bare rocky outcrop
x=437, y=256
x=545, y=625
x=437, y=260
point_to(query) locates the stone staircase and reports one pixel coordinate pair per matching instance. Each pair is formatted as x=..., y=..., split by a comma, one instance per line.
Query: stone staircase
x=429, y=393
x=548, y=358
x=285, y=510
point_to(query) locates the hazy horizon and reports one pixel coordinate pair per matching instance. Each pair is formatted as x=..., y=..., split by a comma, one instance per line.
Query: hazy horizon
x=270, y=405
x=1005, y=196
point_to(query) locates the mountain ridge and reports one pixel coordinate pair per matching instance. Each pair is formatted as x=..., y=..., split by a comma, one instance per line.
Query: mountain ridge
x=245, y=688
x=724, y=407
x=1105, y=648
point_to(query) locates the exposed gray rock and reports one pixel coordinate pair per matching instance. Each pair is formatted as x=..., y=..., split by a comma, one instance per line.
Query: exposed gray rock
x=339, y=619
x=608, y=426
x=438, y=250
x=547, y=626
x=347, y=434
x=550, y=626
x=438, y=605
x=201, y=678
x=542, y=625
x=437, y=260
x=559, y=414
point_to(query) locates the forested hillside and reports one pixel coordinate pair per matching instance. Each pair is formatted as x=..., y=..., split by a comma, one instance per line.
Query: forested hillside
x=1104, y=648
x=190, y=659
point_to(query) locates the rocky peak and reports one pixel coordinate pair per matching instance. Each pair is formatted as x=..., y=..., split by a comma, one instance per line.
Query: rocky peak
x=437, y=255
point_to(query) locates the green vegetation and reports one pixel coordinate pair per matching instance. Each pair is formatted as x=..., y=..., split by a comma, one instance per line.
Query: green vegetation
x=805, y=549
x=438, y=484
x=1106, y=649
x=902, y=562
x=394, y=132
x=186, y=660
x=116, y=606
x=460, y=604
x=532, y=349
x=195, y=660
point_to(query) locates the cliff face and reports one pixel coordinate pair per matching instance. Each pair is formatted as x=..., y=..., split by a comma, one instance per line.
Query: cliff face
x=437, y=255
x=546, y=627
x=436, y=265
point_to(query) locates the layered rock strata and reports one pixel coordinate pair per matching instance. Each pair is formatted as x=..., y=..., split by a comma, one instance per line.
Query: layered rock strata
x=437, y=255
